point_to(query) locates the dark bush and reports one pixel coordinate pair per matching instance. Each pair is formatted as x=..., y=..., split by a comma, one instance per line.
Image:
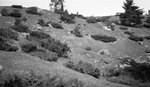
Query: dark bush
x=147, y=37
x=20, y=28
x=77, y=32
x=15, y=13
x=103, y=19
x=85, y=68
x=57, y=25
x=17, y=21
x=33, y=10
x=46, y=55
x=39, y=35
x=67, y=19
x=104, y=38
x=33, y=80
x=17, y=6
x=147, y=50
x=128, y=32
x=28, y=47
x=123, y=28
x=136, y=38
x=8, y=33
x=88, y=48
x=4, y=12
x=139, y=71
x=146, y=25
x=91, y=20
x=5, y=46
x=56, y=46
x=43, y=23
x=24, y=18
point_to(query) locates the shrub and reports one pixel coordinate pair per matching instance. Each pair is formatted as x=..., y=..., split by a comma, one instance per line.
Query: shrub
x=33, y=10
x=57, y=25
x=67, y=19
x=46, y=55
x=147, y=37
x=139, y=71
x=146, y=25
x=103, y=19
x=88, y=48
x=17, y=6
x=20, y=28
x=147, y=50
x=33, y=80
x=8, y=33
x=136, y=38
x=128, y=32
x=104, y=38
x=91, y=20
x=28, y=47
x=4, y=12
x=56, y=46
x=77, y=32
x=85, y=68
x=39, y=35
x=123, y=28
x=15, y=14
x=5, y=46
x=42, y=23
x=24, y=18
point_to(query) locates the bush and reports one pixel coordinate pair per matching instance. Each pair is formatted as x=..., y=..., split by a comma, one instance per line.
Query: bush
x=88, y=48
x=8, y=33
x=67, y=19
x=46, y=55
x=33, y=10
x=77, y=32
x=139, y=71
x=33, y=80
x=85, y=68
x=42, y=23
x=136, y=38
x=147, y=37
x=128, y=32
x=104, y=38
x=39, y=35
x=146, y=25
x=4, y=12
x=57, y=25
x=15, y=14
x=56, y=46
x=5, y=46
x=147, y=50
x=91, y=20
x=28, y=47
x=123, y=28
x=20, y=28
x=17, y=6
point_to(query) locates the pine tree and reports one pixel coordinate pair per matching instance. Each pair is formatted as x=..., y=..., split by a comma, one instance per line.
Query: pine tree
x=132, y=15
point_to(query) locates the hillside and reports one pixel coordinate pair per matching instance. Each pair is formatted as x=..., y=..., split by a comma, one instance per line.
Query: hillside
x=42, y=42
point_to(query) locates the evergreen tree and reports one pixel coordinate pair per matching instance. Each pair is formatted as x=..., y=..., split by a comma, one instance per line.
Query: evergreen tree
x=132, y=15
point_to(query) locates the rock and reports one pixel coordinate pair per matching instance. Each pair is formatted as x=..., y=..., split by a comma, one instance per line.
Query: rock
x=106, y=28
x=104, y=52
x=0, y=14
x=49, y=25
x=1, y=68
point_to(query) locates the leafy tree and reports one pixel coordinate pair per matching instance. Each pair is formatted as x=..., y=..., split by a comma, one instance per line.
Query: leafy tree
x=132, y=15
x=58, y=3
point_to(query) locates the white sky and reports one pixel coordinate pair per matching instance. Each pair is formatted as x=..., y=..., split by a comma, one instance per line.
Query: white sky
x=85, y=7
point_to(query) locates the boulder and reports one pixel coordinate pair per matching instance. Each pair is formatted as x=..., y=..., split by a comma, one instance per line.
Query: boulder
x=104, y=52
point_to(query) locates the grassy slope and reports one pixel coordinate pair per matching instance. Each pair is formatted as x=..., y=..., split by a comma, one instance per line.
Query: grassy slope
x=122, y=48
